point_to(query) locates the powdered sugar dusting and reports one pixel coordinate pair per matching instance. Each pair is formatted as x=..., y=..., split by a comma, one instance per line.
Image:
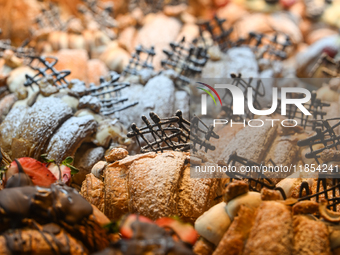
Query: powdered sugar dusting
x=153, y=184
x=40, y=122
x=9, y=127
x=69, y=137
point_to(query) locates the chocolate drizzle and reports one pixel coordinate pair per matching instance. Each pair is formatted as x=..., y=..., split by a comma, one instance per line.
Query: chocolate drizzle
x=173, y=133
x=109, y=94
x=50, y=211
x=44, y=66
x=17, y=245
x=186, y=61
x=315, y=106
x=326, y=66
x=325, y=135
x=140, y=59
x=57, y=203
x=273, y=47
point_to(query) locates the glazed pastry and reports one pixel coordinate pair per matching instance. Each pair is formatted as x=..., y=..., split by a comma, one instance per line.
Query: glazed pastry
x=155, y=185
x=40, y=121
x=275, y=228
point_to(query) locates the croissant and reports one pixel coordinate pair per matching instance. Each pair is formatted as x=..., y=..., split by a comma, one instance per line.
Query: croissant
x=266, y=227
x=49, y=127
x=153, y=184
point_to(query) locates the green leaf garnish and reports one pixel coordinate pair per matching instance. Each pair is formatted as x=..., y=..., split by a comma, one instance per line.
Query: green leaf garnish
x=3, y=170
x=45, y=159
x=74, y=170
x=67, y=160
x=112, y=227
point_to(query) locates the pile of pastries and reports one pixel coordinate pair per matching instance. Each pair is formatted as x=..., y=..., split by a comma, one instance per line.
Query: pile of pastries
x=84, y=171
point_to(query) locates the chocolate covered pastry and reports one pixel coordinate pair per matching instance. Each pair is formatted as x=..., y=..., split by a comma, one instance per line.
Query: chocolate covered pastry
x=48, y=221
x=148, y=238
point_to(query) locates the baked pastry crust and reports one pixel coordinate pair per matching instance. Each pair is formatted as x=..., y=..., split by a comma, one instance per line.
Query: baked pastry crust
x=38, y=124
x=10, y=126
x=31, y=241
x=272, y=233
x=203, y=247
x=93, y=191
x=310, y=236
x=153, y=184
x=70, y=136
x=115, y=191
x=232, y=242
x=195, y=196
x=256, y=142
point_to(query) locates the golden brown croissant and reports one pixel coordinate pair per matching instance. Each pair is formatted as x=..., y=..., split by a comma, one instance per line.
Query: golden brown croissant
x=152, y=184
